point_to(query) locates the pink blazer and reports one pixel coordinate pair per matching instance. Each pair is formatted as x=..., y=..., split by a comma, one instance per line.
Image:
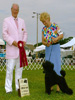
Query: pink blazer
x=11, y=33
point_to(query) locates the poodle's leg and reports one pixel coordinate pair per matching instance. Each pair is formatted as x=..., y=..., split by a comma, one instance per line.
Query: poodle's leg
x=47, y=85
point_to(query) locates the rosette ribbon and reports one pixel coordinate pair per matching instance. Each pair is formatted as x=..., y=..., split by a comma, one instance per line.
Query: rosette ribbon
x=23, y=58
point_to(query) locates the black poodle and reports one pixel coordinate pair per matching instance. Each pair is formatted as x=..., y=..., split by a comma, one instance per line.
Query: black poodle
x=51, y=78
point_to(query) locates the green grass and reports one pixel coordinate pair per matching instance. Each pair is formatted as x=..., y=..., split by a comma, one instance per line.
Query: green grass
x=37, y=87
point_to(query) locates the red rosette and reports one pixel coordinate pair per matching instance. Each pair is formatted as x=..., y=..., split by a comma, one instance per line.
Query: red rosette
x=23, y=58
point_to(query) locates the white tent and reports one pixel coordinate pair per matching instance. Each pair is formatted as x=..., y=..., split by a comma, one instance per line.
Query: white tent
x=68, y=44
x=2, y=42
x=65, y=53
x=39, y=48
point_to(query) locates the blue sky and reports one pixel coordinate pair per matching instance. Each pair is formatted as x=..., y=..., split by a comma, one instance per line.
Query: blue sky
x=61, y=12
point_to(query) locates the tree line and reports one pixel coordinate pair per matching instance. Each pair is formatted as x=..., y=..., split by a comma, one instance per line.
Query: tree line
x=62, y=41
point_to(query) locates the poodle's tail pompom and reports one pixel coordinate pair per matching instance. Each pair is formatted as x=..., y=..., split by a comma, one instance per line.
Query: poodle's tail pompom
x=63, y=73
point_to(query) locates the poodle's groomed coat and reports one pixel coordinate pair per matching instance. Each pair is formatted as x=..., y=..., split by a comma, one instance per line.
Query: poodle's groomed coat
x=51, y=78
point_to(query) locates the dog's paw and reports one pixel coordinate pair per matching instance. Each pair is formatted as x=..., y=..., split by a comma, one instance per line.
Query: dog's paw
x=43, y=71
x=63, y=73
x=48, y=92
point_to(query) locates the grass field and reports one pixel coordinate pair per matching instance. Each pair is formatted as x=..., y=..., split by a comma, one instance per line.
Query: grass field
x=37, y=87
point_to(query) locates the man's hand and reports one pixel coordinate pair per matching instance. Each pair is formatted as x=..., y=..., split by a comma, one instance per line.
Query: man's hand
x=24, y=43
x=15, y=43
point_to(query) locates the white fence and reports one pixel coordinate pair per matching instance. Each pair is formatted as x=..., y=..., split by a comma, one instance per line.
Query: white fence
x=34, y=64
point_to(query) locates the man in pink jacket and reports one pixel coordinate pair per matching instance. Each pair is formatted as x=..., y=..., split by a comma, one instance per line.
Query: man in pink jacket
x=14, y=30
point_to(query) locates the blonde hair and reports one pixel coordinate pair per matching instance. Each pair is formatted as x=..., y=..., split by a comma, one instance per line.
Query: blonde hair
x=44, y=15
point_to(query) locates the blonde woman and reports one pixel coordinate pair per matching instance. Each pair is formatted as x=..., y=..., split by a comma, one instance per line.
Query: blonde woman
x=51, y=35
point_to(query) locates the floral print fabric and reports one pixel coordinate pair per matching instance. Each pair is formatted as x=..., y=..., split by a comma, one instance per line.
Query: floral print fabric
x=50, y=32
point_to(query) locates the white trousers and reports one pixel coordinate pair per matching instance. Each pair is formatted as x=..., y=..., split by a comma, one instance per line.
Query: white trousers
x=9, y=74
